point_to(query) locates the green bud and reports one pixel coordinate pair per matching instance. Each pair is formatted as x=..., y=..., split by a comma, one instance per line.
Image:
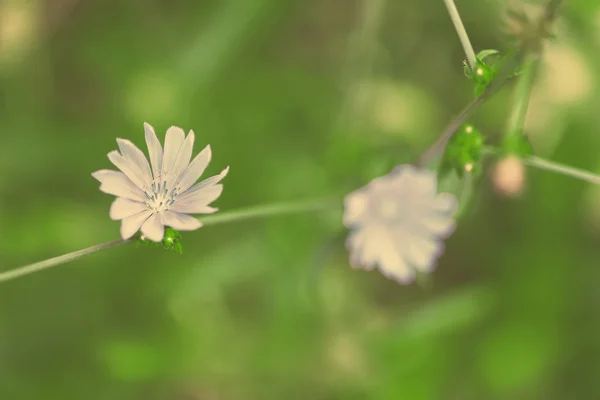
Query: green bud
x=463, y=152
x=171, y=240
x=485, y=69
x=487, y=65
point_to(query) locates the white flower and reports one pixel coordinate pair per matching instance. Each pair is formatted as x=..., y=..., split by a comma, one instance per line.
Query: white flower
x=398, y=222
x=152, y=198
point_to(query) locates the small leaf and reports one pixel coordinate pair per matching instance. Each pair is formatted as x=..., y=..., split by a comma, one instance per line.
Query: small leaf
x=178, y=247
x=482, y=68
x=517, y=144
x=485, y=53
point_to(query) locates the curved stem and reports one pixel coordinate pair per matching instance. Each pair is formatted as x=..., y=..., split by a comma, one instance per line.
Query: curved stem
x=222, y=218
x=462, y=33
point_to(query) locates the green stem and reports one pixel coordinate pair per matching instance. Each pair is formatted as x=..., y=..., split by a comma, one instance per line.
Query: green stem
x=271, y=210
x=222, y=218
x=576, y=173
x=360, y=58
x=522, y=95
x=538, y=162
x=465, y=194
x=222, y=35
x=462, y=33
x=51, y=262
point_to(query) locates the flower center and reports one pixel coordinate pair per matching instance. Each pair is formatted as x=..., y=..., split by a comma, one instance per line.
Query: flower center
x=159, y=197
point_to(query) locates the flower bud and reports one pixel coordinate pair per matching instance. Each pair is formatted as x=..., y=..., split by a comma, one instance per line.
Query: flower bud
x=508, y=176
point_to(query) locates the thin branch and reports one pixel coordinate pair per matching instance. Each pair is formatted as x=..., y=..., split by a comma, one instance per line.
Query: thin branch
x=271, y=210
x=222, y=218
x=551, y=166
x=547, y=165
x=52, y=262
x=522, y=95
x=461, y=32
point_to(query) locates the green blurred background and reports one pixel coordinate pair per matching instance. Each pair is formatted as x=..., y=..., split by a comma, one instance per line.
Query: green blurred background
x=302, y=99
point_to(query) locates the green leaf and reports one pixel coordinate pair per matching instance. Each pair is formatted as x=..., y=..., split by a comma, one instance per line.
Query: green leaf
x=178, y=247
x=517, y=144
x=486, y=53
x=480, y=57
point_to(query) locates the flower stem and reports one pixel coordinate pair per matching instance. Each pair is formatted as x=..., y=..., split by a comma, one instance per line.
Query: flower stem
x=462, y=33
x=538, y=162
x=521, y=97
x=51, y=262
x=576, y=173
x=267, y=210
x=270, y=210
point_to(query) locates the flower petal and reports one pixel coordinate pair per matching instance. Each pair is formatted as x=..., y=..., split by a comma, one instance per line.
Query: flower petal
x=195, y=169
x=445, y=203
x=200, y=195
x=102, y=174
x=179, y=221
x=130, y=225
x=206, y=183
x=128, y=168
x=420, y=182
x=209, y=181
x=183, y=159
x=355, y=207
x=173, y=141
x=375, y=246
x=154, y=150
x=208, y=210
x=196, y=200
x=391, y=260
x=423, y=252
x=117, y=184
x=438, y=225
x=131, y=152
x=123, y=208
x=355, y=244
x=153, y=228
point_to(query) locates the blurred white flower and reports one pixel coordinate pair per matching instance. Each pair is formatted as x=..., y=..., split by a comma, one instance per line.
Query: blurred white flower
x=398, y=222
x=152, y=198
